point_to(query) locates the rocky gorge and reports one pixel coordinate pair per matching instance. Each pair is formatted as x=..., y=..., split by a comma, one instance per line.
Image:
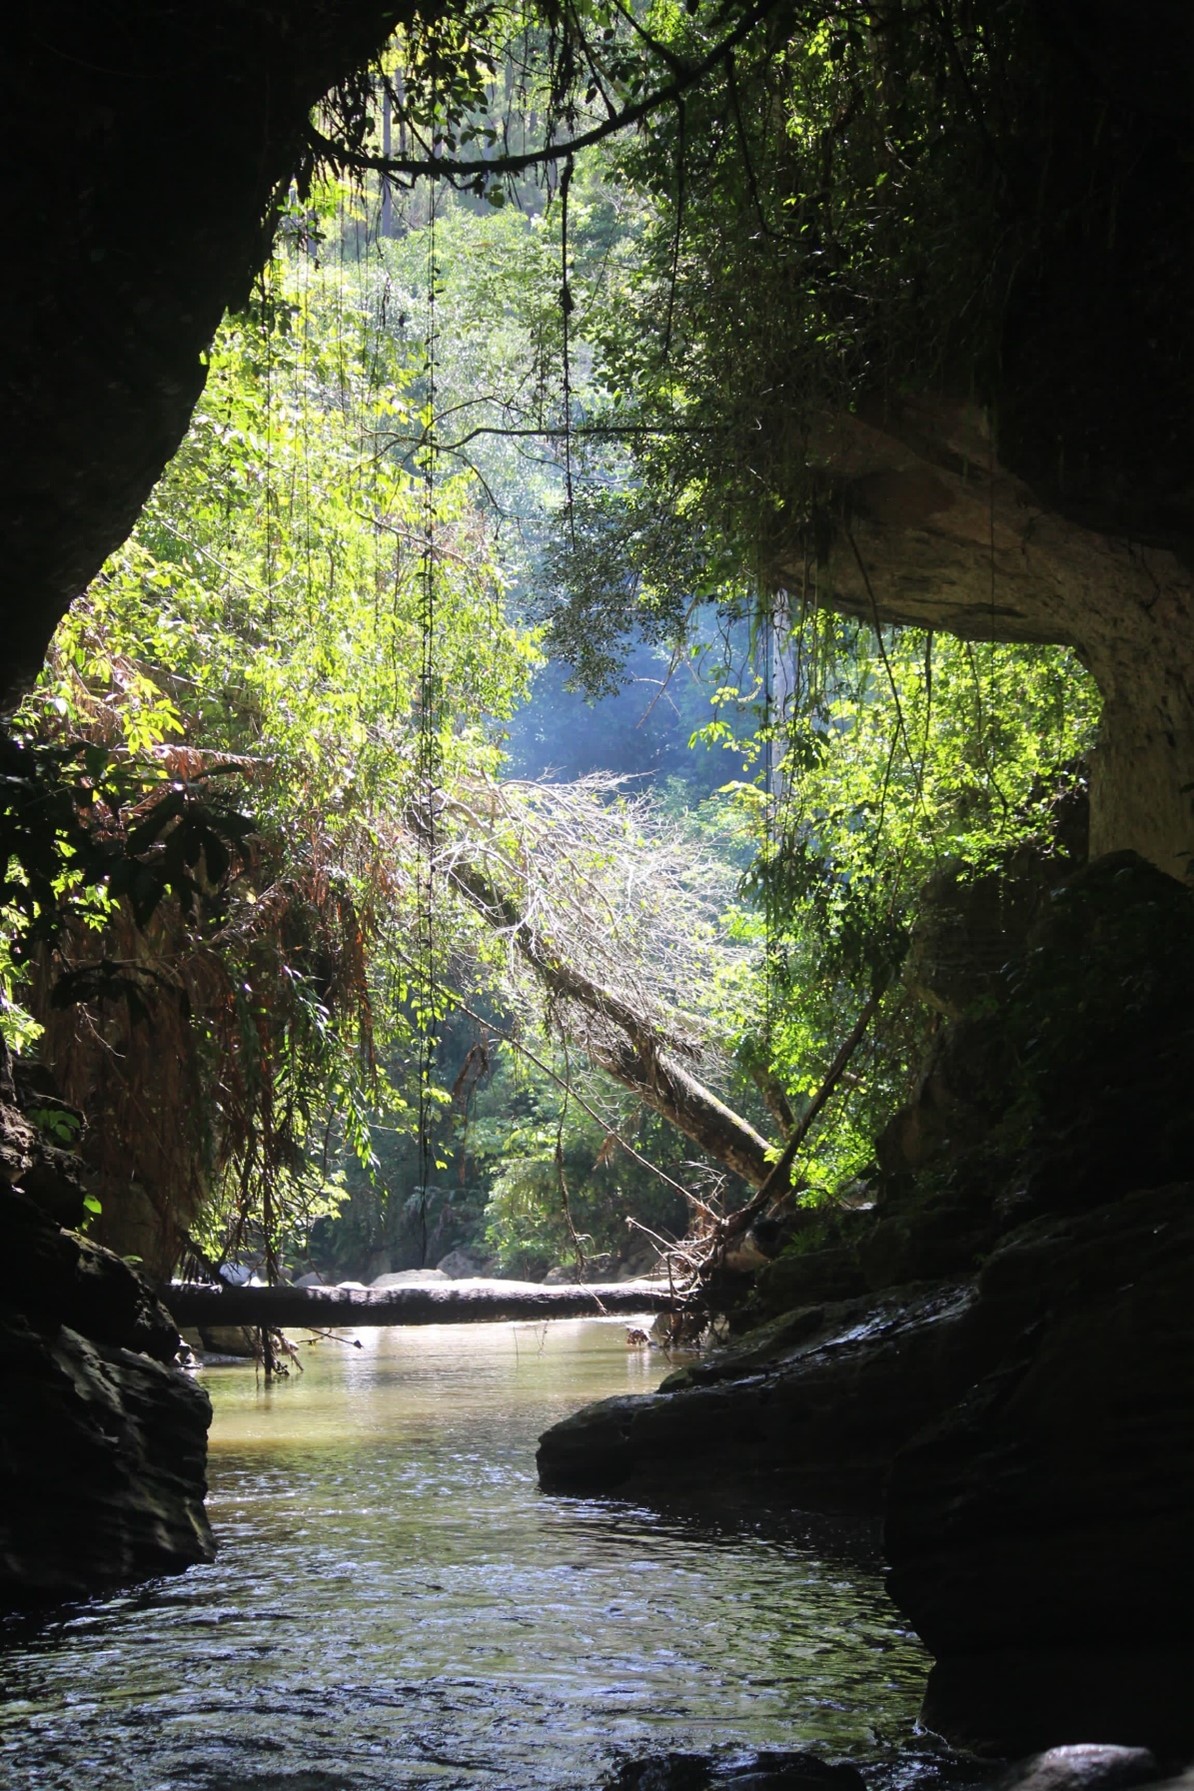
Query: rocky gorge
x=996, y=1358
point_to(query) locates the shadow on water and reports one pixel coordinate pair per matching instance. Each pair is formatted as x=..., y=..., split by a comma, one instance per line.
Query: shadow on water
x=396, y=1605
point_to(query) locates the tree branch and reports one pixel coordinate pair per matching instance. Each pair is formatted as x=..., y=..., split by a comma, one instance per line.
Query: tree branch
x=638, y=1061
x=777, y=1180
x=442, y=168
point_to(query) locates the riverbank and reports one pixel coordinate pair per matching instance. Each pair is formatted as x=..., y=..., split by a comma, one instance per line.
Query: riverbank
x=103, y=1464
x=998, y=1357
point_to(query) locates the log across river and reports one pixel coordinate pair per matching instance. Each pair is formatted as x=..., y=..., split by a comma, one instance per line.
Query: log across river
x=416, y=1303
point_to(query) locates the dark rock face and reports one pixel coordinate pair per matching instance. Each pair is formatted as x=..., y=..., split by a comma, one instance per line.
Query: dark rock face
x=61, y=1278
x=1086, y=1767
x=1014, y=1394
x=1039, y=1532
x=808, y=1413
x=138, y=249
x=1026, y=1433
x=103, y=1446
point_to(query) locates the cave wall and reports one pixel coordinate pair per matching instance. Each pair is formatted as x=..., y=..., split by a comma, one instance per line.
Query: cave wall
x=145, y=145
x=936, y=532
x=1044, y=491
x=103, y=1447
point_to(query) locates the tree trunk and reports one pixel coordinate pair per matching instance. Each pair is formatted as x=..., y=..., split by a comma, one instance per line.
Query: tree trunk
x=639, y=1060
x=453, y=1303
x=669, y=1089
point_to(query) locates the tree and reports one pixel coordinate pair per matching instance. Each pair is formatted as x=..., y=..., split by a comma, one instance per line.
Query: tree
x=854, y=355
x=868, y=184
x=263, y=632
x=858, y=146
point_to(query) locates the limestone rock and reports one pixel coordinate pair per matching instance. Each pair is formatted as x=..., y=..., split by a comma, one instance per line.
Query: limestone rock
x=943, y=537
x=457, y=1265
x=810, y=1411
x=407, y=1278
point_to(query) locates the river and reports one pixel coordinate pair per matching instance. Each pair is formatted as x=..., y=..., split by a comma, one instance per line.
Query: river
x=396, y=1605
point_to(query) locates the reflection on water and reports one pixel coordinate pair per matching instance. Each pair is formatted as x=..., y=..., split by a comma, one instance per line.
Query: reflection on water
x=396, y=1605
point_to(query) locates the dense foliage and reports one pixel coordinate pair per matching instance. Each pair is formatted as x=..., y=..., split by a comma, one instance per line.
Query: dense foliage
x=442, y=421
x=265, y=629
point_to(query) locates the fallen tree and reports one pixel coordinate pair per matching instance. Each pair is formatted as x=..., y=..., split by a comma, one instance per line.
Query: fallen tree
x=625, y=1020
x=578, y=874
x=457, y=1303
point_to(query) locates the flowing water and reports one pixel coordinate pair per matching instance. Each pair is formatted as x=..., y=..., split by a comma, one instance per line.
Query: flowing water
x=396, y=1605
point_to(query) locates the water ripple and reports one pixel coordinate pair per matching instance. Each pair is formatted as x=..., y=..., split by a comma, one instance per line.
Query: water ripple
x=396, y=1606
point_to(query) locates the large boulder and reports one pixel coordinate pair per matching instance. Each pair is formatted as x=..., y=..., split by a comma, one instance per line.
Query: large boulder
x=1014, y=1390
x=1039, y=1531
x=104, y=1443
x=1025, y=1429
x=807, y=1412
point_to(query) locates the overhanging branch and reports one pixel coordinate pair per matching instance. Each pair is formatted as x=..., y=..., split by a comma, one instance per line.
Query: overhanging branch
x=639, y=1060
x=478, y=169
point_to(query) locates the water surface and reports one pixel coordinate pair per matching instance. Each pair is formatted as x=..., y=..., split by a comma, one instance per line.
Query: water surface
x=396, y=1605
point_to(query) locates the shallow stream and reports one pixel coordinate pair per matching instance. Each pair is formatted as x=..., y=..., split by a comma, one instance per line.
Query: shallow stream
x=396, y=1605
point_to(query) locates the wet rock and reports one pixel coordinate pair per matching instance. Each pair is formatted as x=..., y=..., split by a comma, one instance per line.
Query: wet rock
x=103, y=1456
x=662, y=1772
x=1086, y=1766
x=778, y=1771
x=1038, y=1531
x=1017, y=1386
x=811, y=1410
x=1033, y=1422
x=943, y=1237
x=768, y=1771
x=804, y=1278
x=103, y=1471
